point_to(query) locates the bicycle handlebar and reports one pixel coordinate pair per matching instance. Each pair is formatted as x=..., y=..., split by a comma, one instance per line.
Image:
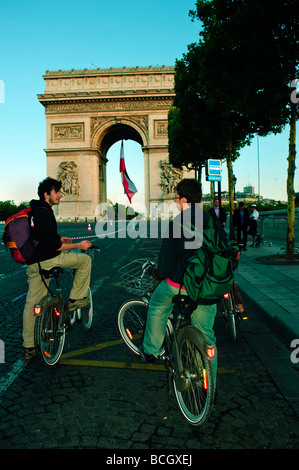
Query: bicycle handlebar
x=92, y=247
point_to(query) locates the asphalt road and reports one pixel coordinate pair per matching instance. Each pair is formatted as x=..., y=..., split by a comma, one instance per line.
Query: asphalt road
x=101, y=397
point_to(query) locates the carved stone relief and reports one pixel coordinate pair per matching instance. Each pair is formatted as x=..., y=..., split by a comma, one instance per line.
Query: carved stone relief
x=67, y=131
x=108, y=106
x=169, y=177
x=161, y=128
x=68, y=175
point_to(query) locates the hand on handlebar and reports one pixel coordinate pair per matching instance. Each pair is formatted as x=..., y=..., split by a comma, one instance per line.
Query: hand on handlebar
x=85, y=244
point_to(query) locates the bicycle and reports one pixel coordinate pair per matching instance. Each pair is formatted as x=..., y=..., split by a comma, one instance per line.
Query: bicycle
x=231, y=313
x=53, y=320
x=187, y=355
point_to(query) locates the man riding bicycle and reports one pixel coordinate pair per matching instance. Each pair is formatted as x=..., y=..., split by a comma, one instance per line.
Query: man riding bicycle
x=170, y=271
x=51, y=252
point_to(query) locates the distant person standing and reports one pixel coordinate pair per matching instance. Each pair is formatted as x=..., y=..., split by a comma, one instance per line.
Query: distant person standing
x=241, y=222
x=253, y=223
x=218, y=212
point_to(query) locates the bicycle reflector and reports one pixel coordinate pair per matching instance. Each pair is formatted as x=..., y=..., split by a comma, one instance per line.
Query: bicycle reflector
x=226, y=296
x=37, y=310
x=205, y=379
x=57, y=313
x=210, y=352
x=129, y=333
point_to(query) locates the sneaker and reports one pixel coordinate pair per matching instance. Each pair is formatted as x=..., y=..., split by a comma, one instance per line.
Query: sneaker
x=149, y=358
x=78, y=303
x=28, y=353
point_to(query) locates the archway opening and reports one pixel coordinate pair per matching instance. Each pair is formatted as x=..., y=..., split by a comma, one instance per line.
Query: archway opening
x=134, y=161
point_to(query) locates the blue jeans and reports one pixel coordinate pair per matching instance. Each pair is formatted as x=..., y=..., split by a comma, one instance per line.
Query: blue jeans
x=160, y=307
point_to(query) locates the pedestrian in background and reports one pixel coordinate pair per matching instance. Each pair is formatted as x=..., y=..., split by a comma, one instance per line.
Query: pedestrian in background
x=253, y=223
x=241, y=223
x=218, y=211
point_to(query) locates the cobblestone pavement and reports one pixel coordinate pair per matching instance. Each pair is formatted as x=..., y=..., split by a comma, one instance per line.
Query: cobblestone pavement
x=97, y=405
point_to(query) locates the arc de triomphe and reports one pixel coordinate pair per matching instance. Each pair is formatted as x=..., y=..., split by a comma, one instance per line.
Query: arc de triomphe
x=87, y=111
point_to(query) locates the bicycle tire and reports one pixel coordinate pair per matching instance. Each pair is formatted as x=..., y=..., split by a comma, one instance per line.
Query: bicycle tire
x=195, y=389
x=86, y=314
x=49, y=332
x=230, y=317
x=131, y=322
x=231, y=321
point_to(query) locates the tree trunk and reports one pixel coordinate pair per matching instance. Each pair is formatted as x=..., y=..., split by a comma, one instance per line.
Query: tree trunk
x=290, y=185
x=230, y=178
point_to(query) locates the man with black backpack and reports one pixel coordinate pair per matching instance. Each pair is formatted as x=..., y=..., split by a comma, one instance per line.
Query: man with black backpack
x=179, y=254
x=51, y=252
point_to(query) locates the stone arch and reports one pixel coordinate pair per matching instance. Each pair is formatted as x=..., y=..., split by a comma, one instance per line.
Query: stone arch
x=87, y=111
x=106, y=132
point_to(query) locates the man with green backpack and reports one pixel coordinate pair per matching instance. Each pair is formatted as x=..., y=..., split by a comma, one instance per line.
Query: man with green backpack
x=196, y=260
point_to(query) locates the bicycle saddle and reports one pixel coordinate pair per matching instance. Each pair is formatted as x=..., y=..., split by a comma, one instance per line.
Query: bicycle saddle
x=53, y=272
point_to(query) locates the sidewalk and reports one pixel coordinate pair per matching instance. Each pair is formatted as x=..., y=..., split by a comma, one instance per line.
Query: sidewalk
x=270, y=288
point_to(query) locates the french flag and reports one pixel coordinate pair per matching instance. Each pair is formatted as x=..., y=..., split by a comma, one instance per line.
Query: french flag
x=129, y=186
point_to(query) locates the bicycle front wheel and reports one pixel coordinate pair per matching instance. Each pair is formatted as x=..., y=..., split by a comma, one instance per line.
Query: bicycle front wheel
x=131, y=323
x=194, y=385
x=86, y=314
x=49, y=334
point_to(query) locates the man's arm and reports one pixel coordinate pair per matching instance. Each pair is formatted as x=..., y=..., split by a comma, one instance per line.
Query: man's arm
x=84, y=245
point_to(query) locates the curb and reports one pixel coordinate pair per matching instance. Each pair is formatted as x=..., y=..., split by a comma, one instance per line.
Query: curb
x=283, y=324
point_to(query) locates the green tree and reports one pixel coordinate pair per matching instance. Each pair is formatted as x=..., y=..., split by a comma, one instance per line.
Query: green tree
x=256, y=43
x=204, y=123
x=8, y=208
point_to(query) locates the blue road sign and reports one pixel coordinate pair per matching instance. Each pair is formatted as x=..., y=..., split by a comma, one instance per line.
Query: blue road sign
x=214, y=170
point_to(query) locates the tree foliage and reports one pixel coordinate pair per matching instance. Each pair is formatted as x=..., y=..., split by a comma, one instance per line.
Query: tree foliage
x=238, y=75
x=8, y=208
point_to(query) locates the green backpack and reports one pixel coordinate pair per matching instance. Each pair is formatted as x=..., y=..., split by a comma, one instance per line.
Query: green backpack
x=209, y=272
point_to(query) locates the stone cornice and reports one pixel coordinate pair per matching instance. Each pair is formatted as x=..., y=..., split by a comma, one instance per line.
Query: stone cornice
x=91, y=104
x=106, y=95
x=111, y=71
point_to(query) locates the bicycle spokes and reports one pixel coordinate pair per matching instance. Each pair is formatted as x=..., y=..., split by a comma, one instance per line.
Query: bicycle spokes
x=194, y=387
x=50, y=334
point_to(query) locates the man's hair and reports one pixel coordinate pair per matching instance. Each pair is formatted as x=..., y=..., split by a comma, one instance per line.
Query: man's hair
x=241, y=204
x=190, y=189
x=47, y=185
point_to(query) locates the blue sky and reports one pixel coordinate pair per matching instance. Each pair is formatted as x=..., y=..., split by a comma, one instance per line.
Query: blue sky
x=35, y=37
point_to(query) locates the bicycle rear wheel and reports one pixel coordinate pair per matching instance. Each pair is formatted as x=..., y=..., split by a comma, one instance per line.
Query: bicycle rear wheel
x=49, y=334
x=231, y=321
x=194, y=388
x=131, y=323
x=230, y=317
x=86, y=314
